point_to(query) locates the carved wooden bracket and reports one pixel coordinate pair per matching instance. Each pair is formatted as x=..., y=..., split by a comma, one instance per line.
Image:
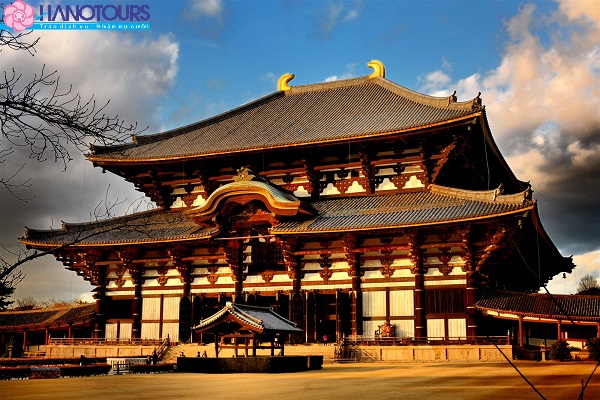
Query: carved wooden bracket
x=268, y=275
x=212, y=278
x=445, y=258
x=326, y=274
x=162, y=270
x=136, y=273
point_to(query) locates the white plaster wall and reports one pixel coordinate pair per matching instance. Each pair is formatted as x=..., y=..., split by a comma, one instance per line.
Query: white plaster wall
x=171, y=330
x=373, y=304
x=402, y=303
x=151, y=308
x=110, y=331
x=405, y=328
x=435, y=328
x=457, y=328
x=150, y=330
x=171, y=308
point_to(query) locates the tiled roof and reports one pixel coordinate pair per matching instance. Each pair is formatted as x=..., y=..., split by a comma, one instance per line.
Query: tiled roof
x=400, y=210
x=9, y=319
x=325, y=112
x=541, y=305
x=437, y=205
x=262, y=319
x=145, y=227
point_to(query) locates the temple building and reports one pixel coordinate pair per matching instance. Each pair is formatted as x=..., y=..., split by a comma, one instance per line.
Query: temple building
x=340, y=205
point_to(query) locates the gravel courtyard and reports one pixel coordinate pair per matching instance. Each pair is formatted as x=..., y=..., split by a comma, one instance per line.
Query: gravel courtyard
x=335, y=381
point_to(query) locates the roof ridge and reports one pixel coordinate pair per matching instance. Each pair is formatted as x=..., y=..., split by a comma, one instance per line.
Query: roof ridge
x=65, y=226
x=434, y=101
x=488, y=196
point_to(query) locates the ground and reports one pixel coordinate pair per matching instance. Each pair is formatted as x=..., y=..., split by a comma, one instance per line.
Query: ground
x=388, y=381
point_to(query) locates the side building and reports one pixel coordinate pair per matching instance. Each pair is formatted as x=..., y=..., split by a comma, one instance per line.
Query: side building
x=341, y=205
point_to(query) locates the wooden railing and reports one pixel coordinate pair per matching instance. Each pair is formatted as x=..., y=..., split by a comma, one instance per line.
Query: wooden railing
x=161, y=350
x=415, y=341
x=109, y=342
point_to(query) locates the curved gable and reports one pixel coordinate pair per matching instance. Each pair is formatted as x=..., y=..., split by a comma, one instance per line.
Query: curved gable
x=246, y=188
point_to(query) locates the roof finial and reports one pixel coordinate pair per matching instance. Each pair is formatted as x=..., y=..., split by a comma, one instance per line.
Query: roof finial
x=282, y=83
x=379, y=69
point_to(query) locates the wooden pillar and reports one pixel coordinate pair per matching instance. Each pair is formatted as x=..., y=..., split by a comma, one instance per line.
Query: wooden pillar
x=101, y=303
x=559, y=329
x=338, y=320
x=47, y=341
x=356, y=296
x=216, y=345
x=98, y=275
x=521, y=330
x=470, y=300
x=136, y=305
x=70, y=331
x=419, y=300
x=24, y=339
x=419, y=295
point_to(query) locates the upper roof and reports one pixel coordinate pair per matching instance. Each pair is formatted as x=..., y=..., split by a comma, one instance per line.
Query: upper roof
x=13, y=319
x=436, y=205
x=319, y=113
x=541, y=305
x=254, y=318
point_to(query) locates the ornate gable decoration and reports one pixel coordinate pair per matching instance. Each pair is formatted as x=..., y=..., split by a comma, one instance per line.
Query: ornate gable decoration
x=245, y=188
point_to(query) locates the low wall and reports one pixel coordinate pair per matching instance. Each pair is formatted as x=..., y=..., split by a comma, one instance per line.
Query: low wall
x=258, y=364
x=428, y=353
x=68, y=351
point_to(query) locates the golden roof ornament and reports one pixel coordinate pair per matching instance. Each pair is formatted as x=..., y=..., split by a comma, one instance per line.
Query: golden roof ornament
x=378, y=69
x=244, y=174
x=282, y=83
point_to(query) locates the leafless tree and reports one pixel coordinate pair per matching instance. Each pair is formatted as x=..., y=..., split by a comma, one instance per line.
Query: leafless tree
x=587, y=282
x=50, y=121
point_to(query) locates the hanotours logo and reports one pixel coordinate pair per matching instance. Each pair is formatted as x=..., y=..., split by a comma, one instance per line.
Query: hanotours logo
x=96, y=12
x=20, y=16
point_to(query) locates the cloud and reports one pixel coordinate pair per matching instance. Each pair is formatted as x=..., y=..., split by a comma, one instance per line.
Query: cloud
x=543, y=104
x=132, y=71
x=587, y=264
x=348, y=74
x=208, y=18
x=209, y=8
x=336, y=13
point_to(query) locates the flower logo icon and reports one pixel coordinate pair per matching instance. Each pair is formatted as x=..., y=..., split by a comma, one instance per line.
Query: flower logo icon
x=18, y=16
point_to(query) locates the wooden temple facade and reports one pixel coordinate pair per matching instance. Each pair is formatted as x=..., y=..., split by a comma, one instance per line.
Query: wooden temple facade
x=340, y=205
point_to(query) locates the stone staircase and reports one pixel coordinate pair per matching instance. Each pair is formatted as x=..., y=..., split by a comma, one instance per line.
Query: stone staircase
x=192, y=350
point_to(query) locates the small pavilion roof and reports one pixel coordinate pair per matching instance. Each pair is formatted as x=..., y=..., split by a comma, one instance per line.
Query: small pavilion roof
x=42, y=317
x=540, y=305
x=319, y=113
x=436, y=205
x=252, y=318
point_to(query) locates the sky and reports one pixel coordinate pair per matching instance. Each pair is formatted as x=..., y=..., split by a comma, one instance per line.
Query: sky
x=536, y=64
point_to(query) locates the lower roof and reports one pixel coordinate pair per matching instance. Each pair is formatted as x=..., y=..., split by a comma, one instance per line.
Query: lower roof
x=436, y=205
x=50, y=316
x=541, y=305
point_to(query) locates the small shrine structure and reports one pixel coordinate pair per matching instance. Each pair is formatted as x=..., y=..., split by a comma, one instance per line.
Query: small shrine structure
x=240, y=326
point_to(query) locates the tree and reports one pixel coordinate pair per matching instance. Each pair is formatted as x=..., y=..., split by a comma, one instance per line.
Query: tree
x=587, y=283
x=50, y=121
